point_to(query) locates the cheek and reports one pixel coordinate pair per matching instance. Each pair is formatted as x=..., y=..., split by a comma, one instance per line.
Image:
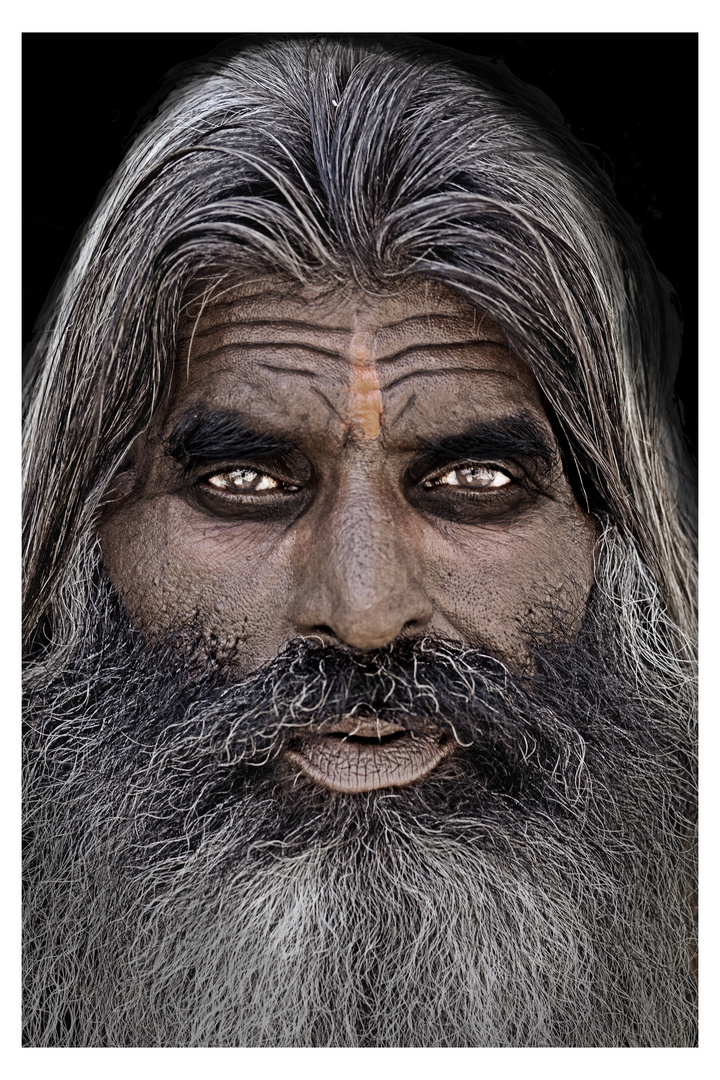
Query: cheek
x=173, y=568
x=493, y=585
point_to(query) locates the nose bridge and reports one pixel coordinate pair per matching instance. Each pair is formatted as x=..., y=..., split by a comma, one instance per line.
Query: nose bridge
x=361, y=578
x=367, y=563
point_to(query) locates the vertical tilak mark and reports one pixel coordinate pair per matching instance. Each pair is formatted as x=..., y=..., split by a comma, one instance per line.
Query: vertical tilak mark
x=365, y=399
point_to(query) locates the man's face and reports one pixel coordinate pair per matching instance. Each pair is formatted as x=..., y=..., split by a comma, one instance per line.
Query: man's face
x=382, y=836
x=357, y=469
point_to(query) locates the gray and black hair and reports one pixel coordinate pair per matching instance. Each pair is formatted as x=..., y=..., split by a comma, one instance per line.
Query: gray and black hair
x=358, y=162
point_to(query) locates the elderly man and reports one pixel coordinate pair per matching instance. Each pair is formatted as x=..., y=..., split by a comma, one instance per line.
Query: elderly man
x=360, y=588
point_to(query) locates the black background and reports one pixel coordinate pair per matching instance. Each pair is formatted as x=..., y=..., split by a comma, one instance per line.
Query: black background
x=633, y=97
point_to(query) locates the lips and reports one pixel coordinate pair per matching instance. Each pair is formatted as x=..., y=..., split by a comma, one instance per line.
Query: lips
x=362, y=755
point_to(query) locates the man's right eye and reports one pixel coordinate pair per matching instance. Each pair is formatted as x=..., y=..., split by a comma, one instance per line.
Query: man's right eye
x=245, y=480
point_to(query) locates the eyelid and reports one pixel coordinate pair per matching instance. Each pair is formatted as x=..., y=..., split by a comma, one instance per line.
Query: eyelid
x=286, y=463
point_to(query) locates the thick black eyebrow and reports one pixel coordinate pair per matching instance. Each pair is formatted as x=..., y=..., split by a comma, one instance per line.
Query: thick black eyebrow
x=201, y=436
x=513, y=437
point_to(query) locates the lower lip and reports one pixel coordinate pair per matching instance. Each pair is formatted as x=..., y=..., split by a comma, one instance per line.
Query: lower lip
x=342, y=763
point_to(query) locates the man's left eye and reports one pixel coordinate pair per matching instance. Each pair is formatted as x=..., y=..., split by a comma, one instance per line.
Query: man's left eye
x=471, y=477
x=241, y=480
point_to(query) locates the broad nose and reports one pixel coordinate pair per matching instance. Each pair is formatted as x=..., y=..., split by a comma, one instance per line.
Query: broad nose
x=359, y=580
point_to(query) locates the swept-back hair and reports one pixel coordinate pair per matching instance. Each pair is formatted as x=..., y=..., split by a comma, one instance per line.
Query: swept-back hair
x=359, y=161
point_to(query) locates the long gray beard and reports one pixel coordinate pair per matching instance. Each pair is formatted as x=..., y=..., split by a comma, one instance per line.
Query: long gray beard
x=183, y=891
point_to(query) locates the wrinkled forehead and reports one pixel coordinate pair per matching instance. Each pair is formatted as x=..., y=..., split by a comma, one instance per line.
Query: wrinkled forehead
x=344, y=363
x=343, y=322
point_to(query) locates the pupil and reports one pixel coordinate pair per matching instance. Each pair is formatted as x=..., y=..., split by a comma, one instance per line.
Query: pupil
x=476, y=475
x=243, y=477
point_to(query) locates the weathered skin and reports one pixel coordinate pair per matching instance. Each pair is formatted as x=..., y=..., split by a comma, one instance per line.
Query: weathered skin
x=360, y=553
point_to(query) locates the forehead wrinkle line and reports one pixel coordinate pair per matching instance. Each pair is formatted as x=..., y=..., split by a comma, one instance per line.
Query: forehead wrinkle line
x=258, y=345
x=305, y=373
x=323, y=397
x=432, y=373
x=427, y=318
x=244, y=324
x=244, y=297
x=217, y=290
x=433, y=346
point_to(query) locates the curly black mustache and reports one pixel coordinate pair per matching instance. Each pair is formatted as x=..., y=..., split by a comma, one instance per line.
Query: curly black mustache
x=171, y=703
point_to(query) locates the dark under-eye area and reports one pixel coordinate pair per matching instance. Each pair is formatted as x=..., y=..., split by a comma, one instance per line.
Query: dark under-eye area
x=287, y=501
x=467, y=507
x=517, y=446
